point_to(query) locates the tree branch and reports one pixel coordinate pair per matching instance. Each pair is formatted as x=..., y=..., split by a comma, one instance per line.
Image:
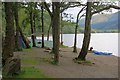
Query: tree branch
x=47, y=8
x=106, y=8
x=82, y=15
x=79, y=13
x=71, y=6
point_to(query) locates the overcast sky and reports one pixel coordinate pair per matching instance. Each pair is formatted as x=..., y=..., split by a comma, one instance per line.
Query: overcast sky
x=74, y=11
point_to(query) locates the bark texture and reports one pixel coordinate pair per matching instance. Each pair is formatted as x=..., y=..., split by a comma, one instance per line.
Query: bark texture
x=17, y=45
x=56, y=30
x=9, y=38
x=87, y=33
x=42, y=26
x=32, y=28
x=76, y=28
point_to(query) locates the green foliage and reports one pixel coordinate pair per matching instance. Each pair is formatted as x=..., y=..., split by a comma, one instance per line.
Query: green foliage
x=88, y=62
x=69, y=27
x=25, y=24
x=100, y=31
x=24, y=21
x=84, y=62
x=104, y=31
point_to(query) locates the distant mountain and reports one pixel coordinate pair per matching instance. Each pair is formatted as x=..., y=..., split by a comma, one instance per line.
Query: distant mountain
x=103, y=21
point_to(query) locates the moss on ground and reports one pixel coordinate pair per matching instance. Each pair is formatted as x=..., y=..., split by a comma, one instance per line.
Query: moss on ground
x=30, y=72
x=63, y=46
x=27, y=50
x=86, y=62
x=31, y=61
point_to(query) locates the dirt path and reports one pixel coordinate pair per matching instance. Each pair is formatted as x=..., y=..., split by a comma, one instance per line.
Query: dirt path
x=104, y=67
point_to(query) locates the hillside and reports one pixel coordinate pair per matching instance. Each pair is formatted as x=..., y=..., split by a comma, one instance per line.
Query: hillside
x=103, y=21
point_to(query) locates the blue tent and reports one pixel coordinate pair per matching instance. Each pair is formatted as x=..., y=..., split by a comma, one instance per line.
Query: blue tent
x=21, y=42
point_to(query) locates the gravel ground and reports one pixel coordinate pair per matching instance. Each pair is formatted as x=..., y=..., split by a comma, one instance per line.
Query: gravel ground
x=105, y=66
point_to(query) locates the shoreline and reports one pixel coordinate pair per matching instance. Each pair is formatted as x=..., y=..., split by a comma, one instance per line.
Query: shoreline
x=77, y=47
x=100, y=42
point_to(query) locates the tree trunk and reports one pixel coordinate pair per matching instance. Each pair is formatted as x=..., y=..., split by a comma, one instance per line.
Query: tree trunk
x=75, y=39
x=76, y=28
x=32, y=28
x=52, y=19
x=87, y=33
x=42, y=27
x=61, y=30
x=34, y=25
x=56, y=30
x=48, y=34
x=17, y=45
x=19, y=30
x=10, y=38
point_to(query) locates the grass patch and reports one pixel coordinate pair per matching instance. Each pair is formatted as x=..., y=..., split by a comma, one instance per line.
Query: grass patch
x=86, y=62
x=31, y=61
x=63, y=46
x=30, y=72
x=27, y=50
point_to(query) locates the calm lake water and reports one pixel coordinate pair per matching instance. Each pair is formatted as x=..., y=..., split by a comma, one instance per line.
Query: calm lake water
x=107, y=42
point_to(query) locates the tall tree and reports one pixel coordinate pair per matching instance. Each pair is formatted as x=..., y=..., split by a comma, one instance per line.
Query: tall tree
x=51, y=18
x=34, y=18
x=61, y=29
x=30, y=8
x=31, y=23
x=87, y=33
x=56, y=30
x=10, y=38
x=17, y=45
x=49, y=30
x=64, y=6
x=1, y=32
x=42, y=25
x=76, y=27
x=55, y=18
